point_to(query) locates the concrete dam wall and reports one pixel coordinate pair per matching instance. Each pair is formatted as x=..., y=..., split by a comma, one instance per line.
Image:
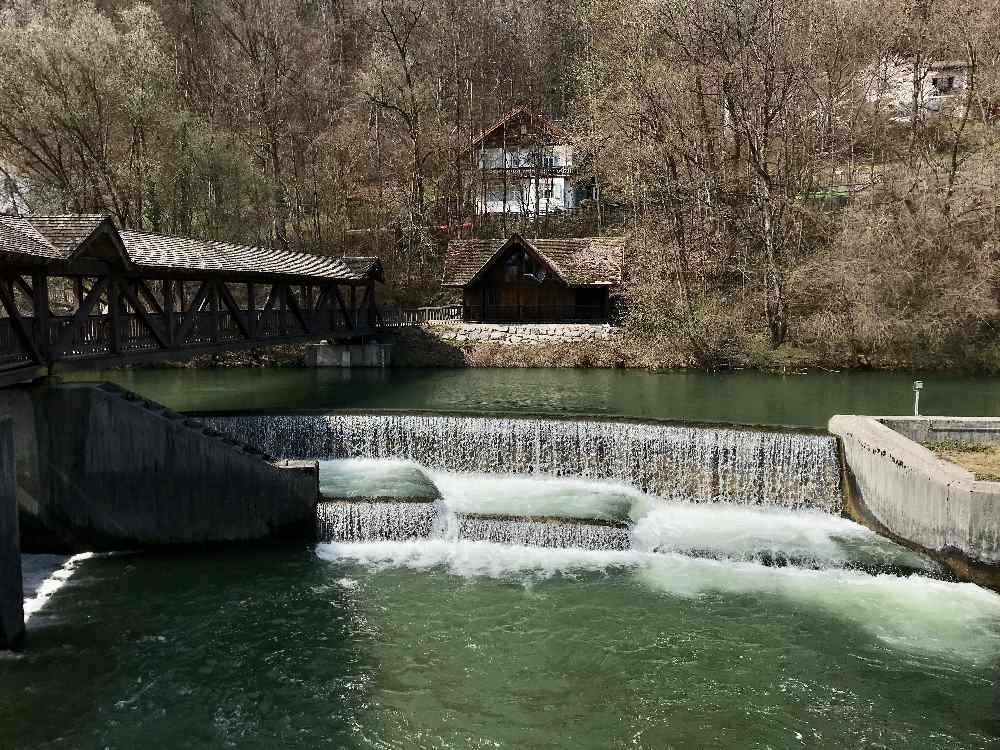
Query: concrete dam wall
x=676, y=462
x=101, y=468
x=11, y=593
x=905, y=491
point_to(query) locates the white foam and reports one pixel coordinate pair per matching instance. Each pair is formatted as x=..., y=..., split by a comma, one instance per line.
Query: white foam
x=916, y=614
x=741, y=532
x=536, y=495
x=55, y=581
x=473, y=559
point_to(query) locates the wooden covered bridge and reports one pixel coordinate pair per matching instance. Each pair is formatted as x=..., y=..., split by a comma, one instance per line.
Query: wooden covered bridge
x=74, y=290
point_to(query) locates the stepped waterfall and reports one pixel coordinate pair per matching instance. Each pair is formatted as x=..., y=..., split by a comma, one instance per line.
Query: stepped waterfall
x=725, y=493
x=674, y=462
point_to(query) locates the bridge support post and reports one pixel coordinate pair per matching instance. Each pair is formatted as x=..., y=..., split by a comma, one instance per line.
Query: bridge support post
x=11, y=586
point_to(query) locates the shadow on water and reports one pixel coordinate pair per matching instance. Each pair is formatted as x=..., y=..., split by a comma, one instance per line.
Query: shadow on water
x=201, y=649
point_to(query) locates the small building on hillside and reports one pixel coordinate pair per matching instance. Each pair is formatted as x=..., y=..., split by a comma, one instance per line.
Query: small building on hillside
x=525, y=166
x=941, y=88
x=537, y=281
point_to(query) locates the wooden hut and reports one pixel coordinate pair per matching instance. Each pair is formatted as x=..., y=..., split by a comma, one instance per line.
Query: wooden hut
x=537, y=281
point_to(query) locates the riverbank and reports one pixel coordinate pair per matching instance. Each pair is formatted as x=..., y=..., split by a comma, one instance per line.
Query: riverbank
x=455, y=345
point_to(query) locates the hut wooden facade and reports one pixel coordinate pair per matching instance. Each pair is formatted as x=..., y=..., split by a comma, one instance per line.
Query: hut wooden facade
x=542, y=281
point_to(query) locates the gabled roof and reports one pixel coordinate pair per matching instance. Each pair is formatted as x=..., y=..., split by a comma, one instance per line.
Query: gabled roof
x=66, y=232
x=542, y=121
x=576, y=262
x=64, y=238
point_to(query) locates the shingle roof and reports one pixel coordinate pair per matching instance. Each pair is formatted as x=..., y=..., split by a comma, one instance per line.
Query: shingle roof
x=157, y=251
x=57, y=238
x=66, y=232
x=362, y=264
x=578, y=261
x=19, y=237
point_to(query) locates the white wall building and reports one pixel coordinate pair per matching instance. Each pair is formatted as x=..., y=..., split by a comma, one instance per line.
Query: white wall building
x=941, y=84
x=522, y=167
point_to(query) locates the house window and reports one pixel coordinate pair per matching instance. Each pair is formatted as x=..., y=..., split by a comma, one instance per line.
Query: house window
x=943, y=84
x=549, y=161
x=547, y=191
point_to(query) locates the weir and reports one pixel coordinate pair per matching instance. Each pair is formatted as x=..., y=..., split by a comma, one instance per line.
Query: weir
x=675, y=462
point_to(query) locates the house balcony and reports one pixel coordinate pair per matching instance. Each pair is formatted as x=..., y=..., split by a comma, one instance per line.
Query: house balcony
x=526, y=173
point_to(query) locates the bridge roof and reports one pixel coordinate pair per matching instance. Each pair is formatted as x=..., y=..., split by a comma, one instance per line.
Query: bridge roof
x=61, y=240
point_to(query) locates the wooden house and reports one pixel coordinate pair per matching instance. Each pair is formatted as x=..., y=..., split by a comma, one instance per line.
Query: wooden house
x=540, y=281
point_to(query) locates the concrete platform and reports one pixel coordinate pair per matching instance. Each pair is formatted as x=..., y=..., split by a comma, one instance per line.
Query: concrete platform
x=904, y=491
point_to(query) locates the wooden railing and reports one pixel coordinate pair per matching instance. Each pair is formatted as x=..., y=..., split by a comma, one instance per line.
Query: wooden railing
x=397, y=317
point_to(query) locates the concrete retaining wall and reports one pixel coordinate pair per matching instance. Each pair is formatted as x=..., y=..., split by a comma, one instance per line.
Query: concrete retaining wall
x=101, y=468
x=912, y=495
x=517, y=333
x=11, y=592
x=372, y=354
x=934, y=429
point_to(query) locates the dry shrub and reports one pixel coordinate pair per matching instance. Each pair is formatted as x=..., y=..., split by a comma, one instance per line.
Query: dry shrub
x=902, y=285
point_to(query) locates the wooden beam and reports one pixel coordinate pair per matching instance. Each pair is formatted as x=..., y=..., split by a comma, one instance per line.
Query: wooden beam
x=297, y=312
x=343, y=308
x=168, y=312
x=147, y=293
x=143, y=316
x=187, y=323
x=20, y=325
x=82, y=312
x=234, y=310
x=25, y=287
x=114, y=305
x=251, y=310
x=213, y=308
x=40, y=303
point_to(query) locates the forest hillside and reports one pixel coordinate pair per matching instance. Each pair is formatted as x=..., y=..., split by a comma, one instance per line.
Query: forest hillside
x=802, y=182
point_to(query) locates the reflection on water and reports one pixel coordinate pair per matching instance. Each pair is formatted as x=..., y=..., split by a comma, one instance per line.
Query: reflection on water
x=747, y=397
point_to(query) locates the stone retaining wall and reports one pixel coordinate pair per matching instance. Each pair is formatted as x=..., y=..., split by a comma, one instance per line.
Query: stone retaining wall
x=518, y=333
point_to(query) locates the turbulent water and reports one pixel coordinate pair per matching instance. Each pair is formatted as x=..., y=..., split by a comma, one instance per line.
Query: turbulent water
x=367, y=521
x=551, y=532
x=742, y=466
x=470, y=622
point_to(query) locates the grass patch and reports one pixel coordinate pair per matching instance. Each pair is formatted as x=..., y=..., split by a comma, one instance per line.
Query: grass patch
x=982, y=459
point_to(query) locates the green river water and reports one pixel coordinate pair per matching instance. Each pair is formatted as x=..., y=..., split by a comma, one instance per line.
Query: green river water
x=449, y=644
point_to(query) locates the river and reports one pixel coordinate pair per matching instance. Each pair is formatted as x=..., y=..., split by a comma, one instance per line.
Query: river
x=694, y=637
x=742, y=396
